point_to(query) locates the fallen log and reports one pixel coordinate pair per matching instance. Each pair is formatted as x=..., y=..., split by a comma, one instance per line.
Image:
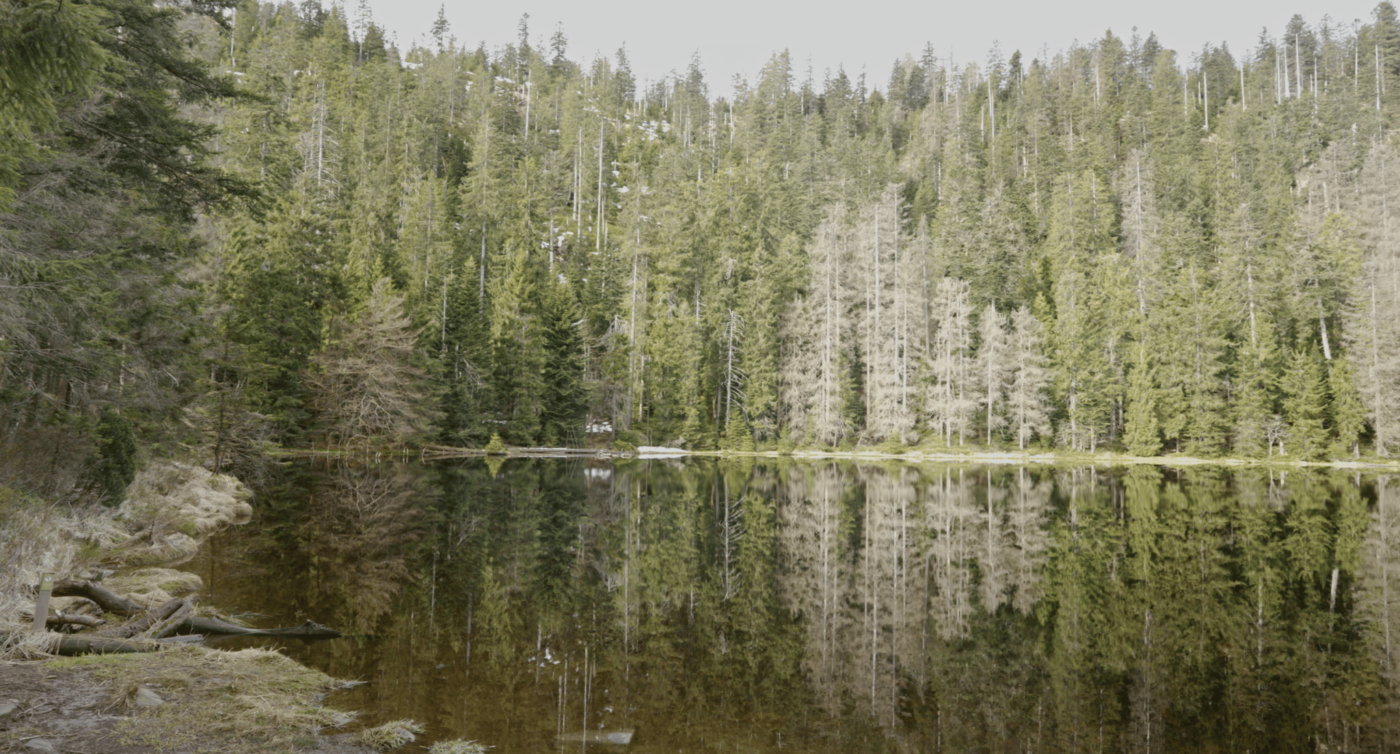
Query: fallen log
x=171, y=622
x=138, y=626
x=109, y=601
x=216, y=627
x=70, y=619
x=69, y=646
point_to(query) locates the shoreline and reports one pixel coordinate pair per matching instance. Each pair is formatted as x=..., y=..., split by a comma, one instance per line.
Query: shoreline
x=914, y=455
x=167, y=695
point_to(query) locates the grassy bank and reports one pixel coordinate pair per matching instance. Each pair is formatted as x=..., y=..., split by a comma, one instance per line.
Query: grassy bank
x=183, y=698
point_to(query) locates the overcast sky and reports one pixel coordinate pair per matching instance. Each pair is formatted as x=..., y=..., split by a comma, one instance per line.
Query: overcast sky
x=739, y=36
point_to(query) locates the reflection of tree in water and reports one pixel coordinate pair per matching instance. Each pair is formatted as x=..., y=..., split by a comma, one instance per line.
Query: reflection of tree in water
x=1379, y=600
x=951, y=528
x=851, y=607
x=815, y=574
x=359, y=526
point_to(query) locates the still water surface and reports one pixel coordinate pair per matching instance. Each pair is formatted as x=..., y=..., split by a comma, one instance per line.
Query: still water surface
x=838, y=607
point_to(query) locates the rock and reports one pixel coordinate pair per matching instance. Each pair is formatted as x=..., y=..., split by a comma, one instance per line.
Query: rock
x=146, y=698
x=9, y=710
x=39, y=745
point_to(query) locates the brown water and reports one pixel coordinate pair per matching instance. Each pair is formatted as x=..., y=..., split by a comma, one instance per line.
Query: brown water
x=766, y=606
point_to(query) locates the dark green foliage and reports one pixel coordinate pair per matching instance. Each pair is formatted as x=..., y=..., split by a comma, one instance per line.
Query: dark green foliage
x=116, y=456
x=1348, y=413
x=1142, y=434
x=565, y=399
x=578, y=248
x=1305, y=404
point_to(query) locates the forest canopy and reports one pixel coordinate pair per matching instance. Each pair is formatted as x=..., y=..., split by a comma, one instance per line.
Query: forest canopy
x=235, y=226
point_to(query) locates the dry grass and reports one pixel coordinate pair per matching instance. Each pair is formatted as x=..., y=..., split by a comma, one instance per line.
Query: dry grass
x=254, y=700
x=38, y=538
x=390, y=735
x=458, y=747
x=154, y=586
x=170, y=510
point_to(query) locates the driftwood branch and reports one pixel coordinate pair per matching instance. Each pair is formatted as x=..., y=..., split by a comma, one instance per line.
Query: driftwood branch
x=216, y=627
x=138, y=626
x=172, y=622
x=109, y=601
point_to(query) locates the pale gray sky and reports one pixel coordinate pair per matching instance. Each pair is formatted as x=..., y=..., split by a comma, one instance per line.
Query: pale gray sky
x=739, y=36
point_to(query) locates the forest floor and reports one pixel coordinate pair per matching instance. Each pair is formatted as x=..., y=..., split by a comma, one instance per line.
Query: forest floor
x=183, y=699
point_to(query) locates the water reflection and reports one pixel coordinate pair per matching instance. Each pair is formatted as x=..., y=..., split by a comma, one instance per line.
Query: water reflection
x=843, y=607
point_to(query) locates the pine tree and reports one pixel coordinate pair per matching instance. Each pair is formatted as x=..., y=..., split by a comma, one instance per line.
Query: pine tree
x=1141, y=432
x=463, y=352
x=564, y=404
x=1348, y=414
x=116, y=451
x=517, y=354
x=1305, y=403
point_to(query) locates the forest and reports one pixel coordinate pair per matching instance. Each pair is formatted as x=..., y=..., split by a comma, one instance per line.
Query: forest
x=228, y=227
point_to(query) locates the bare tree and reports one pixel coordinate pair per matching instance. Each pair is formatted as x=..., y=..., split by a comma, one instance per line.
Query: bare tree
x=366, y=385
x=993, y=368
x=883, y=319
x=1026, y=400
x=949, y=399
x=1374, y=321
x=815, y=333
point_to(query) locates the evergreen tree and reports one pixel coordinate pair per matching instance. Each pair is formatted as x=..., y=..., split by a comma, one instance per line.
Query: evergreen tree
x=1348, y=415
x=564, y=404
x=463, y=367
x=1305, y=403
x=116, y=451
x=517, y=354
x=1141, y=431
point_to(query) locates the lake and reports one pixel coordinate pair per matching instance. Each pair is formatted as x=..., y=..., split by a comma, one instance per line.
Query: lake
x=763, y=605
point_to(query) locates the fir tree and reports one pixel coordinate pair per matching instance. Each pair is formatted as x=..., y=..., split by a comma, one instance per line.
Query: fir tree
x=1141, y=433
x=1305, y=403
x=564, y=403
x=1348, y=413
x=116, y=451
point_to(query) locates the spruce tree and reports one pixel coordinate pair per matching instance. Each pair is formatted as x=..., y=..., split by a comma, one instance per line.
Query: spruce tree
x=1348, y=413
x=1141, y=432
x=1305, y=403
x=564, y=405
x=517, y=353
x=116, y=451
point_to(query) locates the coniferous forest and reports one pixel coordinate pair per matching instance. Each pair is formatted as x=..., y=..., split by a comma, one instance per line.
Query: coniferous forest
x=232, y=227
